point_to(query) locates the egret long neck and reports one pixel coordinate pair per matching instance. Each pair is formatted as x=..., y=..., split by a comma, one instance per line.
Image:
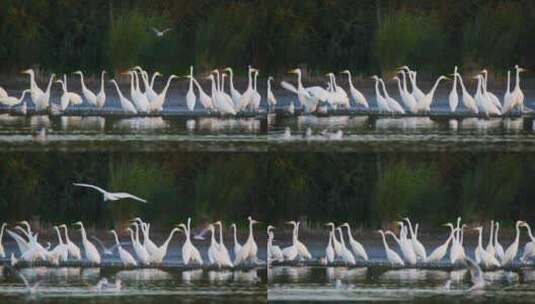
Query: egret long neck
x=508, y=81
x=82, y=81
x=527, y=227
x=221, y=235
x=384, y=88
x=480, y=239
x=491, y=234
x=102, y=81
x=118, y=90
x=164, y=92
x=60, y=240
x=465, y=93
x=166, y=243
x=350, y=80
x=517, y=85
x=432, y=92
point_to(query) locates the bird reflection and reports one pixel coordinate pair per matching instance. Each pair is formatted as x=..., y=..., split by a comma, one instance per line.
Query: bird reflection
x=143, y=275
x=82, y=123
x=227, y=124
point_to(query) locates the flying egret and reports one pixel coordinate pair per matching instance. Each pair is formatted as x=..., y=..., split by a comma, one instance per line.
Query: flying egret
x=126, y=104
x=126, y=258
x=392, y=257
x=90, y=251
x=111, y=196
x=160, y=33
x=89, y=96
x=512, y=250
x=357, y=96
x=454, y=97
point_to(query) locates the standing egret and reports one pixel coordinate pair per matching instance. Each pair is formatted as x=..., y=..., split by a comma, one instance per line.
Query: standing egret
x=247, y=97
x=392, y=257
x=215, y=256
x=483, y=102
x=126, y=104
x=490, y=96
x=490, y=246
x=341, y=97
x=74, y=250
x=357, y=96
x=517, y=99
x=454, y=97
x=512, y=250
x=88, y=94
x=13, y=101
x=468, y=101
x=219, y=102
x=126, y=258
x=36, y=92
x=273, y=251
x=499, y=248
x=101, y=96
x=290, y=253
x=308, y=97
x=68, y=98
x=138, y=98
x=392, y=103
x=255, y=103
x=347, y=256
x=157, y=255
x=329, y=250
x=508, y=95
x=482, y=256
x=425, y=102
x=356, y=247
x=408, y=254
x=439, y=253
x=406, y=98
x=419, y=249
x=60, y=253
x=337, y=245
x=272, y=101
x=43, y=101
x=157, y=103
x=90, y=251
x=302, y=250
x=382, y=103
x=249, y=248
x=233, y=92
x=189, y=252
x=223, y=251
x=190, y=96
x=2, y=251
x=529, y=247
x=141, y=252
x=205, y=100
x=237, y=246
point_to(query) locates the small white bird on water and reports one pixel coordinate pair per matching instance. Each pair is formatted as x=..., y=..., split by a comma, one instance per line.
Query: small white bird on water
x=111, y=196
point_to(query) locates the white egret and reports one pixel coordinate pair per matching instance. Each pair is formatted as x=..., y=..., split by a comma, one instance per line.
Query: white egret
x=357, y=96
x=512, y=250
x=529, y=247
x=126, y=258
x=425, y=102
x=68, y=98
x=90, y=251
x=233, y=92
x=517, y=99
x=74, y=250
x=382, y=102
x=13, y=101
x=158, y=254
x=454, y=97
x=160, y=33
x=223, y=251
x=111, y=196
x=218, y=101
x=290, y=253
x=2, y=251
x=484, y=104
x=255, y=103
x=141, y=253
x=246, y=97
x=419, y=249
x=341, y=96
x=249, y=248
x=508, y=95
x=497, y=246
x=157, y=103
x=490, y=249
x=392, y=103
x=190, y=95
x=43, y=101
x=272, y=101
x=3, y=93
x=468, y=101
x=138, y=98
x=204, y=99
x=149, y=91
x=356, y=247
x=482, y=256
x=493, y=98
x=416, y=92
x=406, y=98
x=337, y=245
x=126, y=104
x=60, y=252
x=237, y=246
x=22, y=244
x=101, y=96
x=89, y=96
x=392, y=257
x=273, y=251
x=215, y=256
x=36, y=91
x=302, y=250
x=329, y=250
x=408, y=254
x=190, y=253
x=439, y=253
x=347, y=256
x=308, y=97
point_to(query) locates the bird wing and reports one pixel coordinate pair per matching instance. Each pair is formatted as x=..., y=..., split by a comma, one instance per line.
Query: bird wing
x=318, y=92
x=476, y=275
x=90, y=186
x=288, y=86
x=122, y=195
x=166, y=30
x=155, y=30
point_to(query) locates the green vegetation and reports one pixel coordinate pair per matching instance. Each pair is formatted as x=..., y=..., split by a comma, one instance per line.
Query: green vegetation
x=319, y=35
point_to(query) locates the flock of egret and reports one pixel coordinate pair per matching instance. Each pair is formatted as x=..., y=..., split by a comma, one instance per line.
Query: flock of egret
x=144, y=99
x=144, y=251
x=411, y=250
